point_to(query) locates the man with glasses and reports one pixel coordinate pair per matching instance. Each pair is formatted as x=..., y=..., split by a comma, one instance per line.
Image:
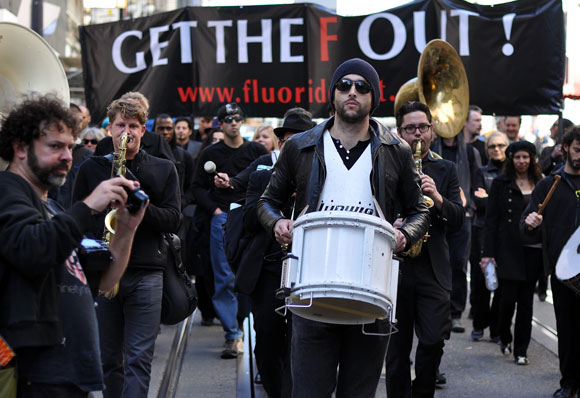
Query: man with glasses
x=230, y=156
x=351, y=160
x=423, y=296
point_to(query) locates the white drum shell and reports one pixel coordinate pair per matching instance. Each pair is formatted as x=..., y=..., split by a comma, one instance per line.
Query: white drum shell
x=568, y=265
x=344, y=271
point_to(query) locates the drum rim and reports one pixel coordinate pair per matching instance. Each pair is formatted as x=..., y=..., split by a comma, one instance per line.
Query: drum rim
x=347, y=216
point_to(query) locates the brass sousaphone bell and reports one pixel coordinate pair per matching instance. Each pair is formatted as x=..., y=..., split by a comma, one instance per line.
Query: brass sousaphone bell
x=28, y=64
x=441, y=84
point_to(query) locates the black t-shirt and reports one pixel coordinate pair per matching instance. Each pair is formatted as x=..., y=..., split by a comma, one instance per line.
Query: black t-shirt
x=575, y=181
x=77, y=360
x=227, y=160
x=449, y=152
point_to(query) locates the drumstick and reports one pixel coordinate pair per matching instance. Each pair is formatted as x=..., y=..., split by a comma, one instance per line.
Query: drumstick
x=548, y=197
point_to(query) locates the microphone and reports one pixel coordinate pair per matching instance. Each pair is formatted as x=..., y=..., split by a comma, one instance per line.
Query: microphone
x=210, y=168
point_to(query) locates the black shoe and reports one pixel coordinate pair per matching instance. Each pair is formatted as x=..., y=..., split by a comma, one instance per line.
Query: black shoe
x=258, y=379
x=542, y=297
x=457, y=326
x=564, y=393
x=476, y=334
x=206, y=321
x=495, y=339
x=440, y=378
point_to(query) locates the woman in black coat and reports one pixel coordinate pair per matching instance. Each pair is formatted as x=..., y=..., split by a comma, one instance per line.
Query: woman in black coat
x=484, y=315
x=519, y=263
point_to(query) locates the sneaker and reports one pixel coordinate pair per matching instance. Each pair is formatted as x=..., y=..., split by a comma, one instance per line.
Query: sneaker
x=456, y=326
x=232, y=348
x=506, y=349
x=522, y=360
x=495, y=339
x=476, y=334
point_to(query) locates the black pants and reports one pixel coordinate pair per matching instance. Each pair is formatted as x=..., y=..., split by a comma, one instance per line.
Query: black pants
x=318, y=349
x=567, y=309
x=459, y=248
x=273, y=333
x=483, y=314
x=423, y=306
x=522, y=294
x=42, y=390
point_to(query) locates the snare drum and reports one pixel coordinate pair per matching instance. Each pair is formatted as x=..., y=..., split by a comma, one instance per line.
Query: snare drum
x=341, y=268
x=568, y=265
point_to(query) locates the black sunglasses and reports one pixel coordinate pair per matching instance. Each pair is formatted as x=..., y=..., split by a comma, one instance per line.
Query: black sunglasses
x=360, y=86
x=500, y=146
x=229, y=119
x=94, y=142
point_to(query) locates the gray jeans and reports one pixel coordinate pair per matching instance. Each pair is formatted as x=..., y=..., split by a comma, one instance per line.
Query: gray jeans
x=128, y=327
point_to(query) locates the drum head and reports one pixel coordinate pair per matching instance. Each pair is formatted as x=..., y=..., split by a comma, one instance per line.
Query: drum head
x=568, y=265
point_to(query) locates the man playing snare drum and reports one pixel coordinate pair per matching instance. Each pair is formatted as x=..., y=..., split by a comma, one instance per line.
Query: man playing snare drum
x=353, y=151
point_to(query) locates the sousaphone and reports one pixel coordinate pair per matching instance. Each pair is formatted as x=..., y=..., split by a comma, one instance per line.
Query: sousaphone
x=28, y=64
x=441, y=84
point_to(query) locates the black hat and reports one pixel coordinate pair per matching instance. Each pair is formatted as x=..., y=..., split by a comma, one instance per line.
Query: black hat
x=360, y=67
x=294, y=123
x=229, y=109
x=521, y=146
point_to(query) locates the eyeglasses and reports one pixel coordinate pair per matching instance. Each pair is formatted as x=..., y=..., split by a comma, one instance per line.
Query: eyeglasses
x=229, y=119
x=94, y=142
x=498, y=146
x=168, y=128
x=410, y=129
x=360, y=86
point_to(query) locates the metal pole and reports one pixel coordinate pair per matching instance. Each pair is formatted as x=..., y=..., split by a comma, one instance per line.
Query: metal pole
x=36, y=16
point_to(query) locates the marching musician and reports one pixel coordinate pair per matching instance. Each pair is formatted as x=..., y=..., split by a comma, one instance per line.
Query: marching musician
x=46, y=306
x=423, y=295
x=129, y=322
x=559, y=220
x=349, y=149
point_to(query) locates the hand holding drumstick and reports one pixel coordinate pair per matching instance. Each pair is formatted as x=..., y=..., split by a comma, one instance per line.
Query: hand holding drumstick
x=534, y=220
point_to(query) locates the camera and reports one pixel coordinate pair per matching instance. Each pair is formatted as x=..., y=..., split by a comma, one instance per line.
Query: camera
x=136, y=199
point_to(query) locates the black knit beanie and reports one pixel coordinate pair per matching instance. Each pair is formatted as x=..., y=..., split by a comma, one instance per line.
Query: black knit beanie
x=360, y=67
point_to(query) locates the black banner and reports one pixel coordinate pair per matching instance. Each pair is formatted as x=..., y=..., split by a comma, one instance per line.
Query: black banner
x=271, y=58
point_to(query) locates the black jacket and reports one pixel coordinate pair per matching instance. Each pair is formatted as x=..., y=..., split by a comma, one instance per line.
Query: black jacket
x=501, y=231
x=467, y=162
x=158, y=178
x=394, y=179
x=262, y=247
x=450, y=217
x=33, y=246
x=561, y=217
x=483, y=178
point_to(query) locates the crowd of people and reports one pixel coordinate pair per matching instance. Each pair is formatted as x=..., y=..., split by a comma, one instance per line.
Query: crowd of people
x=79, y=319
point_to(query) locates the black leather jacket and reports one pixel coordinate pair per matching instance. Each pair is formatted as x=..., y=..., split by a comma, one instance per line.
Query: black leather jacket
x=394, y=181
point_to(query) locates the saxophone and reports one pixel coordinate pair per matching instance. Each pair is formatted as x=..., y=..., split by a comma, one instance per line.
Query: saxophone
x=415, y=250
x=118, y=169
